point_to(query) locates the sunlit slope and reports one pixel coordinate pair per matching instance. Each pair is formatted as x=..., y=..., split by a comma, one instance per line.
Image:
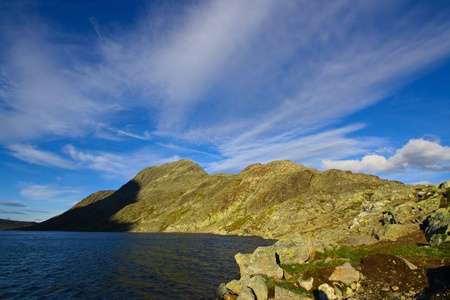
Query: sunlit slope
x=278, y=199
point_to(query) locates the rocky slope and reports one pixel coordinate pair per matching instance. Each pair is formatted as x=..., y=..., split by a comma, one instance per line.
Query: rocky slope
x=277, y=200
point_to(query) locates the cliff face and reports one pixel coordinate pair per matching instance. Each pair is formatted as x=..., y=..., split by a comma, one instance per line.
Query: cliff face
x=275, y=200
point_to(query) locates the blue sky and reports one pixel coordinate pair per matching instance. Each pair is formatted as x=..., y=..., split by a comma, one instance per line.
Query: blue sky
x=91, y=92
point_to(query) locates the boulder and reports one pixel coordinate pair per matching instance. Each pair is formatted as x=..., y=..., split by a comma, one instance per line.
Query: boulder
x=306, y=284
x=246, y=294
x=358, y=240
x=259, y=287
x=243, y=261
x=326, y=292
x=236, y=286
x=345, y=274
x=284, y=294
x=292, y=252
x=438, y=226
x=393, y=231
x=445, y=185
x=264, y=262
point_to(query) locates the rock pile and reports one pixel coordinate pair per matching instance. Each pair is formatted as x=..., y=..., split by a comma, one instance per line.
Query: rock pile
x=385, y=220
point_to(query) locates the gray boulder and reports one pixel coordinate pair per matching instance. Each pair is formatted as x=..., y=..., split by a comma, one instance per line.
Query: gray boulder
x=264, y=262
x=246, y=294
x=438, y=227
x=297, y=252
x=259, y=287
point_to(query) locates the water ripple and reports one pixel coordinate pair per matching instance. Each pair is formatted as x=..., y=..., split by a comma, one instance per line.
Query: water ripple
x=71, y=265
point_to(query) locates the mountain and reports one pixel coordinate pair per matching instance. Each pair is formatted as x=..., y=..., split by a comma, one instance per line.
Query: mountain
x=11, y=224
x=274, y=200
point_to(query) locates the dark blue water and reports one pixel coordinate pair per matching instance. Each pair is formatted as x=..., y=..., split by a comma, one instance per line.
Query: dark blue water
x=61, y=265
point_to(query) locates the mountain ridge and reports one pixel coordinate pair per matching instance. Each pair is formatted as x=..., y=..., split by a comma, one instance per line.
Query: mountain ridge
x=274, y=200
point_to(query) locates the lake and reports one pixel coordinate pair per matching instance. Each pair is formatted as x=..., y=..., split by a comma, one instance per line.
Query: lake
x=61, y=265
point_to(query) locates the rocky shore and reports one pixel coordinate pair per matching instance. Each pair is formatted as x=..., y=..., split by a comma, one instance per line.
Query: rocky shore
x=393, y=249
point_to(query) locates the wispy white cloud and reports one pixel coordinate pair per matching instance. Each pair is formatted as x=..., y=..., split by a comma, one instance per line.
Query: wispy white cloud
x=33, y=155
x=109, y=164
x=416, y=154
x=146, y=136
x=12, y=204
x=308, y=150
x=46, y=192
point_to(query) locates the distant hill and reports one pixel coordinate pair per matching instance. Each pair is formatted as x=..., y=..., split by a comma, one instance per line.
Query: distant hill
x=278, y=199
x=10, y=224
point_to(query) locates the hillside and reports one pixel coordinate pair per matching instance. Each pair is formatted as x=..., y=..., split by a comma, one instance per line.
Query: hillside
x=11, y=224
x=275, y=200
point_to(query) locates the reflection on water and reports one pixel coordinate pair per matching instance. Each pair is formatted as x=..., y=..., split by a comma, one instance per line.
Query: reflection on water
x=117, y=265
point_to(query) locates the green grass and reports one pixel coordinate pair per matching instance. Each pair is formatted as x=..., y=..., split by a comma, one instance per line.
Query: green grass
x=356, y=254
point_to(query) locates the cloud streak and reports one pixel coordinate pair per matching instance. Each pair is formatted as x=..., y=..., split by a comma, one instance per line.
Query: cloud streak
x=12, y=204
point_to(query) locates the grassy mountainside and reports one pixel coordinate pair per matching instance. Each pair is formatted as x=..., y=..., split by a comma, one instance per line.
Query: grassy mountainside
x=278, y=199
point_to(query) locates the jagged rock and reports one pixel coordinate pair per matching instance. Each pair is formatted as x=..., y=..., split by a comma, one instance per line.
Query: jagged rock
x=345, y=274
x=246, y=294
x=284, y=294
x=438, y=226
x=326, y=292
x=264, y=262
x=306, y=284
x=259, y=287
x=297, y=252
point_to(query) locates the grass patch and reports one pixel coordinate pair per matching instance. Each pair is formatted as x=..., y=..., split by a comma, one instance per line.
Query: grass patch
x=356, y=254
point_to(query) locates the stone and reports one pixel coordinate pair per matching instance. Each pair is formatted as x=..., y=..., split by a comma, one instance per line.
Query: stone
x=345, y=274
x=297, y=252
x=236, y=286
x=326, y=292
x=445, y=185
x=229, y=296
x=259, y=287
x=222, y=290
x=284, y=294
x=328, y=259
x=246, y=294
x=349, y=292
x=438, y=226
x=306, y=284
x=264, y=262
x=410, y=265
x=243, y=261
x=390, y=232
x=357, y=240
